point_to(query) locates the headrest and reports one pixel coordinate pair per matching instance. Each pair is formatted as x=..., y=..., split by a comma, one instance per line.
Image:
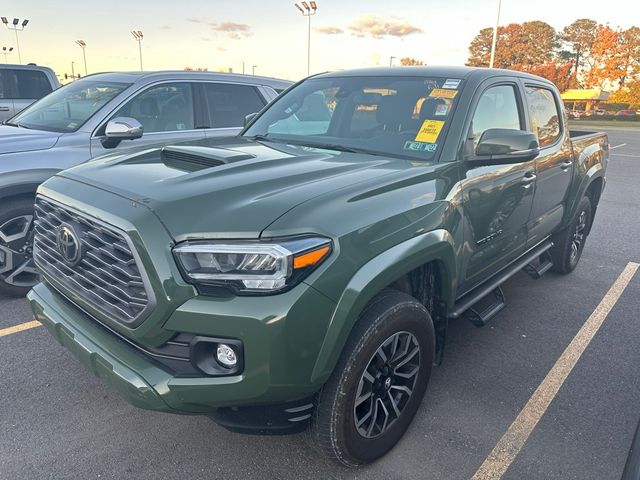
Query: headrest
x=149, y=106
x=428, y=107
x=389, y=112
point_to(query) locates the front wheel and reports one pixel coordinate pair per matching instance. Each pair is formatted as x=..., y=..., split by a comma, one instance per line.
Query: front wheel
x=569, y=243
x=17, y=270
x=378, y=383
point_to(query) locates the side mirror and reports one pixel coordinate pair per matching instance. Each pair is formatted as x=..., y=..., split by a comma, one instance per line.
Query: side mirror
x=123, y=128
x=249, y=118
x=504, y=145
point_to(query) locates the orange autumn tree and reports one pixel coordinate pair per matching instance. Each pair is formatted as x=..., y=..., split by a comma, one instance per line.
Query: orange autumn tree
x=604, y=65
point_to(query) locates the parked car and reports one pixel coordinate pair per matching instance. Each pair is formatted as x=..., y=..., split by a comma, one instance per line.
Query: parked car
x=283, y=278
x=97, y=115
x=21, y=85
x=626, y=113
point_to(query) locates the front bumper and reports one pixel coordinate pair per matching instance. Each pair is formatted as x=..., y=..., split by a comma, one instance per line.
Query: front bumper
x=279, y=353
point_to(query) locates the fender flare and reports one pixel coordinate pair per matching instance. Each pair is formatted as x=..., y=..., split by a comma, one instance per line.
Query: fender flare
x=23, y=183
x=372, y=277
x=595, y=172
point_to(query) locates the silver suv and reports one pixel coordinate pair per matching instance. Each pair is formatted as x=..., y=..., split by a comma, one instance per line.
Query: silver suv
x=103, y=113
x=21, y=85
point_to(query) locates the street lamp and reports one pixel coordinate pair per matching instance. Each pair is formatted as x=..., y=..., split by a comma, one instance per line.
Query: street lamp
x=495, y=36
x=15, y=26
x=6, y=52
x=308, y=9
x=391, y=59
x=137, y=34
x=83, y=45
x=253, y=69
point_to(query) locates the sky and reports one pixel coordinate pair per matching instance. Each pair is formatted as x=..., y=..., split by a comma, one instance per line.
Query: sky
x=272, y=35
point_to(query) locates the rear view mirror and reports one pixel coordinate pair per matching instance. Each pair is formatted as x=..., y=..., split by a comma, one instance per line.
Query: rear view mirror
x=503, y=145
x=123, y=128
x=248, y=119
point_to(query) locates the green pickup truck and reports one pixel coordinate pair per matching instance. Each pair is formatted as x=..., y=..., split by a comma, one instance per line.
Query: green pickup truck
x=302, y=274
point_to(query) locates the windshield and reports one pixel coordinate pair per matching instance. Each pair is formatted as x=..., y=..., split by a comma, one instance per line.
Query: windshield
x=401, y=117
x=69, y=107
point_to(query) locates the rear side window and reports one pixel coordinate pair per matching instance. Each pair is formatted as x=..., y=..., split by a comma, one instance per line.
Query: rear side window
x=24, y=84
x=544, y=114
x=497, y=108
x=229, y=104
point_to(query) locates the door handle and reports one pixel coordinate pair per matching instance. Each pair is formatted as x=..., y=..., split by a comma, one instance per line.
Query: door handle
x=4, y=109
x=566, y=165
x=528, y=179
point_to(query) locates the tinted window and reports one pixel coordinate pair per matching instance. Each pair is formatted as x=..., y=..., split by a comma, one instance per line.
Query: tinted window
x=4, y=93
x=31, y=84
x=69, y=107
x=163, y=108
x=497, y=108
x=229, y=104
x=404, y=117
x=545, y=118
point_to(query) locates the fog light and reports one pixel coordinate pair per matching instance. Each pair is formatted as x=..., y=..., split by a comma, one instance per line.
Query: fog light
x=226, y=356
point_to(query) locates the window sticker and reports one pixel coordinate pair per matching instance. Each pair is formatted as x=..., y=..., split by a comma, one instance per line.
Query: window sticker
x=420, y=146
x=429, y=131
x=441, y=110
x=443, y=93
x=452, y=83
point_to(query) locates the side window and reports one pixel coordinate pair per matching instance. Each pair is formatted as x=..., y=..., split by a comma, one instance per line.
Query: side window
x=31, y=84
x=229, y=104
x=545, y=117
x=163, y=108
x=497, y=108
x=3, y=90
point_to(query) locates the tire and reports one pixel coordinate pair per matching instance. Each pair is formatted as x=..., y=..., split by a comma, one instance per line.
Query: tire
x=17, y=270
x=569, y=243
x=389, y=316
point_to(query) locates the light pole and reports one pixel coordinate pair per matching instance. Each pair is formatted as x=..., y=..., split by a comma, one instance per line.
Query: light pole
x=15, y=26
x=495, y=36
x=73, y=72
x=6, y=52
x=83, y=45
x=391, y=59
x=253, y=69
x=137, y=34
x=307, y=10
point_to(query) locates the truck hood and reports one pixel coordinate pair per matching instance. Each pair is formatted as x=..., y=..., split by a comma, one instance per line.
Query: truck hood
x=228, y=189
x=18, y=139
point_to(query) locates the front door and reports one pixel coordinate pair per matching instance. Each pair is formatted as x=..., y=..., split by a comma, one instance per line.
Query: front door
x=497, y=198
x=554, y=165
x=166, y=112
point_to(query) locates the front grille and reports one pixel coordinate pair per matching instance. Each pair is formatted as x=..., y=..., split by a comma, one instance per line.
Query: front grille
x=104, y=273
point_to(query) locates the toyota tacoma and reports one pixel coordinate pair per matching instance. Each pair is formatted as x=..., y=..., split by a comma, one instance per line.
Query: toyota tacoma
x=303, y=273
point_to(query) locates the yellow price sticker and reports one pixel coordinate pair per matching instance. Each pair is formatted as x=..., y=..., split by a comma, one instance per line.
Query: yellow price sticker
x=429, y=131
x=443, y=93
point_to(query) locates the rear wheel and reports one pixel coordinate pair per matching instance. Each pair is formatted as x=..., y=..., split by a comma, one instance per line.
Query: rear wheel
x=378, y=384
x=17, y=270
x=569, y=244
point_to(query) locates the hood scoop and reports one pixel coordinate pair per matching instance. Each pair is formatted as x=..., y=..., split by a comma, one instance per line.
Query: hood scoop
x=193, y=158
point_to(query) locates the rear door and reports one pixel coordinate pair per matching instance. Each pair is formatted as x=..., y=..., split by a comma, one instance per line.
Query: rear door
x=31, y=85
x=554, y=165
x=6, y=94
x=497, y=198
x=167, y=112
x=227, y=106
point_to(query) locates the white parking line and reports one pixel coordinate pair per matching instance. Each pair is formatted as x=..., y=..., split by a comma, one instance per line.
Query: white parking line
x=618, y=146
x=507, y=449
x=624, y=155
x=19, y=328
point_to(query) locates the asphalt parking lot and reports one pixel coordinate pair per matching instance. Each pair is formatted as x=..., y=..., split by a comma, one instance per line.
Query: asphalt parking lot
x=58, y=421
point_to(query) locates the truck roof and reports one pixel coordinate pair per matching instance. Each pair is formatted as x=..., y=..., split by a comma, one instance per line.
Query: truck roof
x=134, y=77
x=478, y=74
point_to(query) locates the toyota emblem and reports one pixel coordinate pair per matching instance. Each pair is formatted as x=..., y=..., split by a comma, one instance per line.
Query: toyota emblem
x=68, y=244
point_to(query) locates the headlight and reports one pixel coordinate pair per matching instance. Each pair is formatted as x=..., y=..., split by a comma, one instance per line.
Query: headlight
x=251, y=267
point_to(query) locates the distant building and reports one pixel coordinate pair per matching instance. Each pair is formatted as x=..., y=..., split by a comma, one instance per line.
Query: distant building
x=584, y=99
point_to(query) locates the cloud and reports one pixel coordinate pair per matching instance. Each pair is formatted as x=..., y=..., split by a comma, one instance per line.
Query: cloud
x=329, y=30
x=235, y=31
x=194, y=20
x=166, y=27
x=221, y=49
x=378, y=27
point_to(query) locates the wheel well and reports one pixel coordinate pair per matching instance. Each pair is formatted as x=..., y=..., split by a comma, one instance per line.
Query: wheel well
x=24, y=191
x=425, y=284
x=594, y=191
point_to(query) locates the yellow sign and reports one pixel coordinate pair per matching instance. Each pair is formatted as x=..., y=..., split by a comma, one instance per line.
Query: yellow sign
x=429, y=131
x=443, y=93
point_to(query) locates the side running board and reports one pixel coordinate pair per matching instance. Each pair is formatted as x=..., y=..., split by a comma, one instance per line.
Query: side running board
x=467, y=306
